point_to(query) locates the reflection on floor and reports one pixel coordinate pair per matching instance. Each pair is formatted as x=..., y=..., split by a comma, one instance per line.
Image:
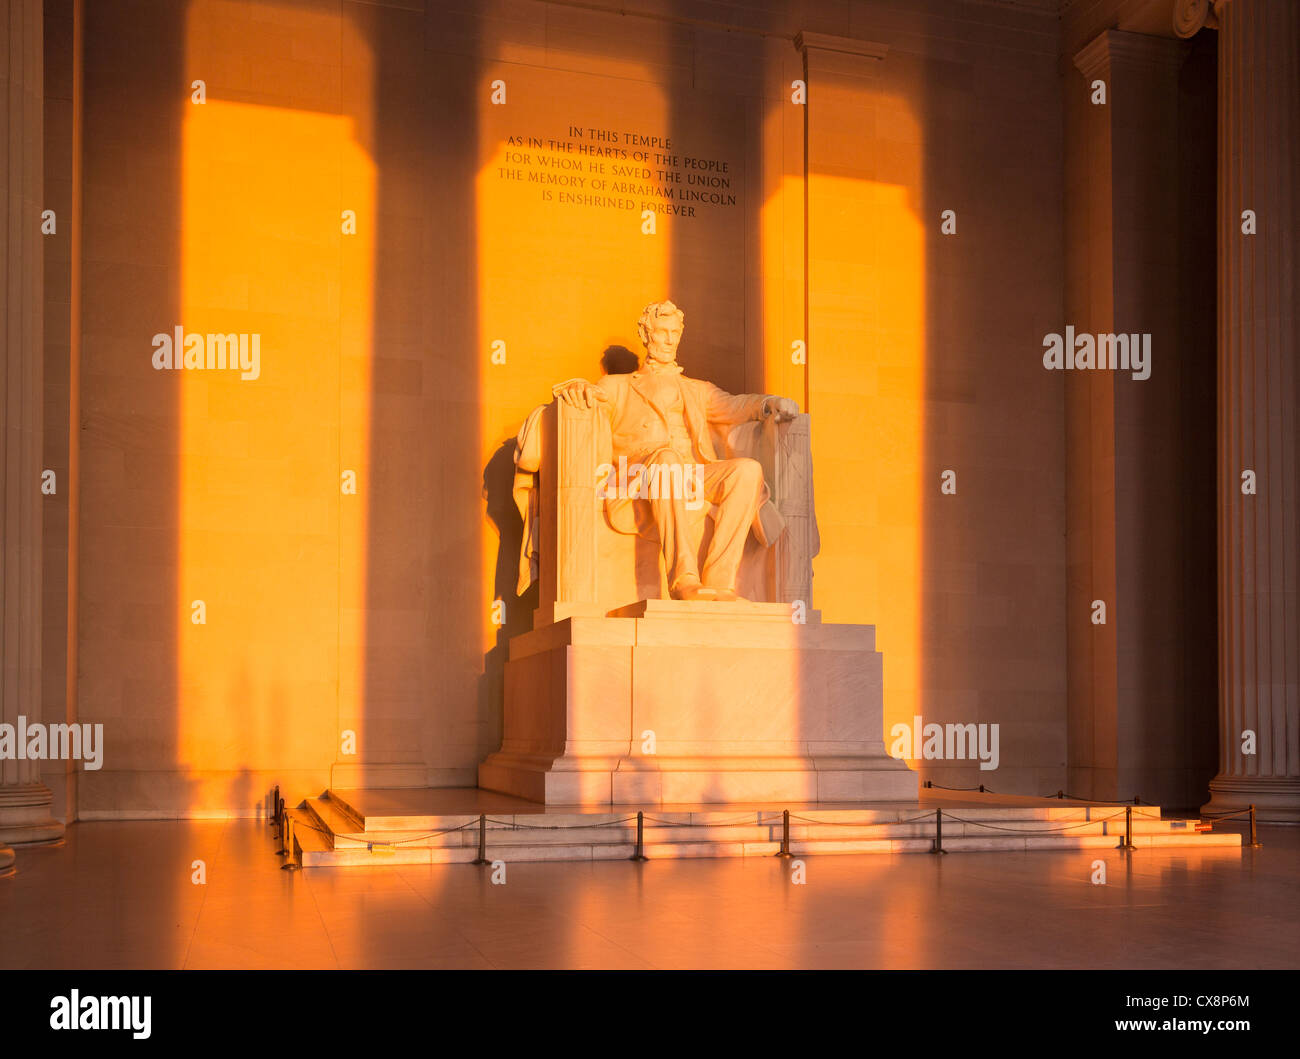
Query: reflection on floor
x=122, y=895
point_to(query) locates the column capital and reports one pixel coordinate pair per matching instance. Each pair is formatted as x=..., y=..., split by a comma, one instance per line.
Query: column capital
x=806, y=41
x=1115, y=46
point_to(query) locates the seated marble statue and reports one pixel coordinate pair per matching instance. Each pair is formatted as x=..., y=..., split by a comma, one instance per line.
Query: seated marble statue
x=659, y=419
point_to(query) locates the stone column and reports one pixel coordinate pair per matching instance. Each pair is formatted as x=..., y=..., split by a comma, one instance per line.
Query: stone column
x=24, y=800
x=1258, y=424
x=1135, y=728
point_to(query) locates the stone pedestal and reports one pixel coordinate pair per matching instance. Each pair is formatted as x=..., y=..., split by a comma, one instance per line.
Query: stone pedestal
x=676, y=702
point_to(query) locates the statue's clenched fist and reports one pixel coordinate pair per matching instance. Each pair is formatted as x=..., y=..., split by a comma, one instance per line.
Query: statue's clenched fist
x=782, y=408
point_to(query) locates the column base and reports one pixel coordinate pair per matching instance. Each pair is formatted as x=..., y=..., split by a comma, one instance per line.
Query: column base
x=25, y=816
x=1276, y=801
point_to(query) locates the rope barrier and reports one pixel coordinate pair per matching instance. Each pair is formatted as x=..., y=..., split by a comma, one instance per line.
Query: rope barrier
x=1026, y=830
x=862, y=823
x=396, y=842
x=748, y=821
x=1254, y=837
x=1062, y=795
x=558, y=827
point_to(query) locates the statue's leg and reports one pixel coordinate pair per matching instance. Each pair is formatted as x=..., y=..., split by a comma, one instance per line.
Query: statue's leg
x=673, y=522
x=736, y=487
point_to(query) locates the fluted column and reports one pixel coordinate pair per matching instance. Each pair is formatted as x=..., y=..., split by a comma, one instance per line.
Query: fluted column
x=24, y=800
x=1258, y=427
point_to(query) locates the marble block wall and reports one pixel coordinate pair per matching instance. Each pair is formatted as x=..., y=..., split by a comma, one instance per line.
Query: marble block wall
x=386, y=193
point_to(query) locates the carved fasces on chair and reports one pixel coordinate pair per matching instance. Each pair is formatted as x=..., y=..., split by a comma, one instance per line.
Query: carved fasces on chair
x=571, y=521
x=794, y=488
x=569, y=510
x=785, y=452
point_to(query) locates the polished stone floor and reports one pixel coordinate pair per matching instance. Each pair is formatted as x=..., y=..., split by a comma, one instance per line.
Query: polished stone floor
x=121, y=895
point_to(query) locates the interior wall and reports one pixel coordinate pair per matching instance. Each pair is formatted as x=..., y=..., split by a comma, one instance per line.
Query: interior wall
x=330, y=612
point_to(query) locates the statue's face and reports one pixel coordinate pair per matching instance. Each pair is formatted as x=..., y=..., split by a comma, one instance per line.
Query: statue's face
x=664, y=336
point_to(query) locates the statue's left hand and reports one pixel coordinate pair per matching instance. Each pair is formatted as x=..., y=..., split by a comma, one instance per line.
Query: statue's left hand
x=782, y=408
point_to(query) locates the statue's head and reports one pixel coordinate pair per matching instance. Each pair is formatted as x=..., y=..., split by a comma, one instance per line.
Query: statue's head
x=660, y=329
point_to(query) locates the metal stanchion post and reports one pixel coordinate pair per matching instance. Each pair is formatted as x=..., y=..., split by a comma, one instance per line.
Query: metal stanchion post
x=937, y=845
x=784, y=851
x=1127, y=843
x=288, y=865
x=639, y=852
x=482, y=840
x=1254, y=838
x=275, y=810
x=282, y=818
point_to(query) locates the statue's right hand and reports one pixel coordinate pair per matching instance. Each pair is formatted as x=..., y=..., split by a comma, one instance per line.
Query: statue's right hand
x=579, y=393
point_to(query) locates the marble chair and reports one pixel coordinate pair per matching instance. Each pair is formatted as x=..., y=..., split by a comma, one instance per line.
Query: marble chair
x=587, y=567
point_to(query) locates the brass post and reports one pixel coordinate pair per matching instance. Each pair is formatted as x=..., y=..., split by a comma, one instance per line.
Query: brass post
x=282, y=818
x=289, y=864
x=482, y=840
x=1127, y=844
x=784, y=851
x=937, y=845
x=639, y=852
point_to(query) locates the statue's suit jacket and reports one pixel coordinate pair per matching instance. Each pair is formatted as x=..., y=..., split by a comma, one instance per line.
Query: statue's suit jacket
x=638, y=428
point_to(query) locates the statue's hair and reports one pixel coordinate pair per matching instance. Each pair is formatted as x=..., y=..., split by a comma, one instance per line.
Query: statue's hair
x=651, y=313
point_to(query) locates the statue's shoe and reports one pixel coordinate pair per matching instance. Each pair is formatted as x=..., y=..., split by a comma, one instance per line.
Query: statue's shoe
x=724, y=595
x=692, y=590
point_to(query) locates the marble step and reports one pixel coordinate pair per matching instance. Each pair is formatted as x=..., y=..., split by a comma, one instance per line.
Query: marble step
x=519, y=846
x=507, y=837
x=416, y=823
x=676, y=850
x=460, y=830
x=344, y=830
x=307, y=835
